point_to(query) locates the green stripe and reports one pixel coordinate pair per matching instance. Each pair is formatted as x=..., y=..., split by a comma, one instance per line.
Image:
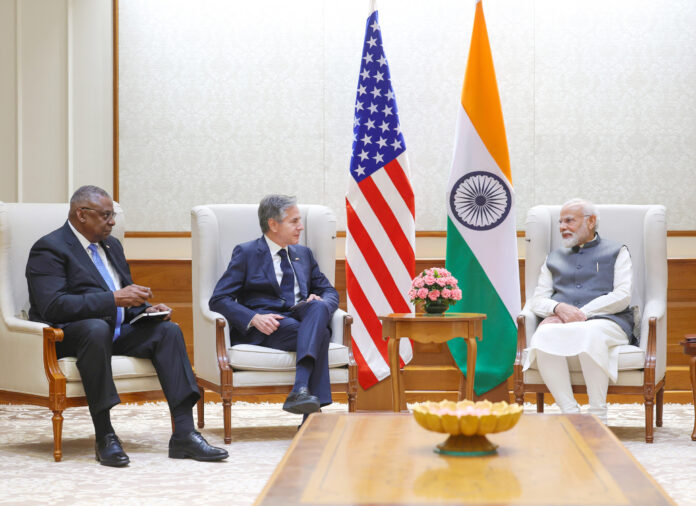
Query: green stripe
x=496, y=351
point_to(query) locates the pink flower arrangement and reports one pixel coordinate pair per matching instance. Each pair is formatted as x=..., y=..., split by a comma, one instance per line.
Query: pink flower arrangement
x=435, y=284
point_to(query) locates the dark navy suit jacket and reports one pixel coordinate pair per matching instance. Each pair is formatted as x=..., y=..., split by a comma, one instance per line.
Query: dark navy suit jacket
x=65, y=285
x=249, y=286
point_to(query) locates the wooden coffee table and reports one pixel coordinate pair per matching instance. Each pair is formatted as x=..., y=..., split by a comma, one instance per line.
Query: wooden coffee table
x=386, y=458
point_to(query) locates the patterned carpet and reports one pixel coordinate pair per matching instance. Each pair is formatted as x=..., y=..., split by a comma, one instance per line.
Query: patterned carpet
x=261, y=433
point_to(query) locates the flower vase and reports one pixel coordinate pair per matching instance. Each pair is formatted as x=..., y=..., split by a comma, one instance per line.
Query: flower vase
x=435, y=307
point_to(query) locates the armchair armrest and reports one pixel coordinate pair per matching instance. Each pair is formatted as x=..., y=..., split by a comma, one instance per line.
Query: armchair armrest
x=15, y=324
x=340, y=332
x=56, y=378
x=526, y=326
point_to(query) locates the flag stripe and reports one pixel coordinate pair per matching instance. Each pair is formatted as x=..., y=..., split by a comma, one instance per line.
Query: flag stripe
x=389, y=222
x=480, y=97
x=398, y=176
x=397, y=205
x=380, y=238
x=377, y=266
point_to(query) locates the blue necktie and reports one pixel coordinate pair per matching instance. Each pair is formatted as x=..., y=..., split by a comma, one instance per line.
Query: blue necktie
x=110, y=282
x=287, y=283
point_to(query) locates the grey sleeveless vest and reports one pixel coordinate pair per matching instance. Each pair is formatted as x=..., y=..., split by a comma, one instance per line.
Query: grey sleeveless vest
x=582, y=274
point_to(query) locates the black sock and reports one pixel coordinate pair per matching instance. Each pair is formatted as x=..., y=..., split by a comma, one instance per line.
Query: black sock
x=303, y=372
x=183, y=418
x=102, y=423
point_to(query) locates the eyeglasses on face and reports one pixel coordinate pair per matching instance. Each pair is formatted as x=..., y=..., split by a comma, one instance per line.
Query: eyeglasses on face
x=106, y=215
x=571, y=220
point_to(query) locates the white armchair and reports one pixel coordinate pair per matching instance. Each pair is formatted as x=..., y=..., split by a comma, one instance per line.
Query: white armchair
x=641, y=368
x=247, y=369
x=26, y=378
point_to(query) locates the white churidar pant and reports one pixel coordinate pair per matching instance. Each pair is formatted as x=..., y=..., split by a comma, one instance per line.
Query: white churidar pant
x=595, y=343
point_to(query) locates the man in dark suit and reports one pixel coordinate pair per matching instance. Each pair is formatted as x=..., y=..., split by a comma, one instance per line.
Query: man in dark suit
x=79, y=281
x=273, y=294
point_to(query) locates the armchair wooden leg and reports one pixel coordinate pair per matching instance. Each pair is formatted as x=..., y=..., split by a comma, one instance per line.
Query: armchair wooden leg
x=200, y=406
x=658, y=406
x=540, y=402
x=649, y=403
x=227, y=419
x=57, y=435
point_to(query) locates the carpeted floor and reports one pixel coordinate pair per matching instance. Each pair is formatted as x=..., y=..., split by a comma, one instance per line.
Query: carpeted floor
x=261, y=433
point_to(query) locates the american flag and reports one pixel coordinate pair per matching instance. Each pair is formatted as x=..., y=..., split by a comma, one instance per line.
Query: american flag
x=380, y=252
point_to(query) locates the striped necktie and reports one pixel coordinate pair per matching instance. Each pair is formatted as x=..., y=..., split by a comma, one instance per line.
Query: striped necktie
x=110, y=282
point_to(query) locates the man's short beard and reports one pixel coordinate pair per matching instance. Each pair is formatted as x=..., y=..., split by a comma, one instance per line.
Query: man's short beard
x=569, y=242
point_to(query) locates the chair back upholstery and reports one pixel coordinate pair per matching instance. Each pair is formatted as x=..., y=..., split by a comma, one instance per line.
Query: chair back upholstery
x=642, y=228
x=215, y=231
x=21, y=225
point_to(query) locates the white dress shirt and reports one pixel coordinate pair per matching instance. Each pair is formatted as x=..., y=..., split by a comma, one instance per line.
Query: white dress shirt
x=275, y=248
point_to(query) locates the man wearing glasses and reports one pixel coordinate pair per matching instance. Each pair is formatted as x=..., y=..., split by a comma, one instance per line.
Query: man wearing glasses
x=583, y=294
x=79, y=281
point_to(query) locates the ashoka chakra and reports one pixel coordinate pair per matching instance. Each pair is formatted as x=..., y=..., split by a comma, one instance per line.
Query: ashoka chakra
x=480, y=200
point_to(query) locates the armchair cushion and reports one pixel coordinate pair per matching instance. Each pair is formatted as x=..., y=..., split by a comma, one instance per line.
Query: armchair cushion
x=630, y=358
x=280, y=378
x=249, y=357
x=122, y=367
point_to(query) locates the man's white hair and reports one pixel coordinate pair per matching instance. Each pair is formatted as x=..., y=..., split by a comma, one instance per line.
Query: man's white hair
x=588, y=209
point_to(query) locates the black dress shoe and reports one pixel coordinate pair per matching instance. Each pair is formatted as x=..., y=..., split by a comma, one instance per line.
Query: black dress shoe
x=301, y=402
x=108, y=451
x=194, y=446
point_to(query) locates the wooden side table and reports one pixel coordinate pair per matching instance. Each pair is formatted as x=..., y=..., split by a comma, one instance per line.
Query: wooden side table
x=431, y=328
x=689, y=345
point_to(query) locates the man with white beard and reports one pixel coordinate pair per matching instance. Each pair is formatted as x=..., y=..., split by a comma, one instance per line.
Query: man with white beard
x=583, y=295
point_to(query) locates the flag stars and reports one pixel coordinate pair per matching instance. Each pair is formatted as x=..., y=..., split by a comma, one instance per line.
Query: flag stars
x=376, y=92
x=372, y=42
x=370, y=124
x=363, y=155
x=358, y=106
x=390, y=94
x=379, y=158
x=382, y=142
x=387, y=110
x=365, y=74
x=374, y=26
x=366, y=139
x=384, y=126
x=382, y=60
x=379, y=76
x=362, y=90
x=360, y=171
x=356, y=121
x=368, y=58
x=396, y=144
x=372, y=108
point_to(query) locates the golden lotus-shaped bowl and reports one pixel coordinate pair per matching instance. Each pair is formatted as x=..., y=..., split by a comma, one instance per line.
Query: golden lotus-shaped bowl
x=467, y=422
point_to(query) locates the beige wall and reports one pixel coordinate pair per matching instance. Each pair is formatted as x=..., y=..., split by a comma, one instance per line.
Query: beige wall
x=55, y=98
x=597, y=97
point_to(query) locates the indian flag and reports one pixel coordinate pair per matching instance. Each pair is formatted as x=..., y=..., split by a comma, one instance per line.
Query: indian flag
x=481, y=231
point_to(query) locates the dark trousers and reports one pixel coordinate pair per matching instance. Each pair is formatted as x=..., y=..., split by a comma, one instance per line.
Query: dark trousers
x=306, y=331
x=162, y=342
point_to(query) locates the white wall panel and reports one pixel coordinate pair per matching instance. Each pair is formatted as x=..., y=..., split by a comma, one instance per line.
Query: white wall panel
x=8, y=102
x=91, y=66
x=43, y=35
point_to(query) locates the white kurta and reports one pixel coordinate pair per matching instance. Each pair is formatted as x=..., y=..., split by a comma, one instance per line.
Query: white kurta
x=599, y=338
